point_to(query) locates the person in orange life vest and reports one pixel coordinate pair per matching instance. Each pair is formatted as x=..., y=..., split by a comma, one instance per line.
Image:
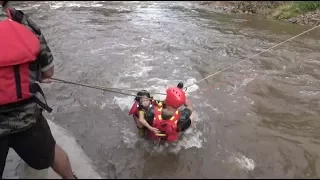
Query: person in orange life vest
x=169, y=120
x=143, y=102
x=26, y=59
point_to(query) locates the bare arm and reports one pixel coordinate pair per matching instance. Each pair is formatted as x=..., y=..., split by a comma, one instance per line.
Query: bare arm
x=47, y=74
x=143, y=121
x=45, y=57
x=46, y=60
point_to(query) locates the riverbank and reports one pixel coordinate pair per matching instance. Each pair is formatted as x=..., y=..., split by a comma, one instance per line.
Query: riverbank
x=297, y=12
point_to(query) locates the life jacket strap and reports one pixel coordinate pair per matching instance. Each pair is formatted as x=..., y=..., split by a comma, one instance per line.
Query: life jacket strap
x=35, y=99
x=45, y=105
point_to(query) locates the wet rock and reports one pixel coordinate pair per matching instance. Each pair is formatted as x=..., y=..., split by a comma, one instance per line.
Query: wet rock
x=315, y=21
x=298, y=20
x=276, y=14
x=235, y=10
x=310, y=18
x=293, y=20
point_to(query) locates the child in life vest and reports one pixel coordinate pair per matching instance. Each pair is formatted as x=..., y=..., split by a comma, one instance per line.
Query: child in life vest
x=143, y=102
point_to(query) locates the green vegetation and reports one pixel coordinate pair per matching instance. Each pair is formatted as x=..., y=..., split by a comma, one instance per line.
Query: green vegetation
x=294, y=8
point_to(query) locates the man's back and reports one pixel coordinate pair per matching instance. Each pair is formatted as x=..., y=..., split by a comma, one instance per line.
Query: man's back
x=22, y=116
x=30, y=137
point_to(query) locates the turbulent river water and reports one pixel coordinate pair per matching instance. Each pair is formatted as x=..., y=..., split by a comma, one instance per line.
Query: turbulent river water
x=259, y=119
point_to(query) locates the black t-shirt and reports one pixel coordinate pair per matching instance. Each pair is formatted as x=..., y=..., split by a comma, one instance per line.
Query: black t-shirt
x=183, y=123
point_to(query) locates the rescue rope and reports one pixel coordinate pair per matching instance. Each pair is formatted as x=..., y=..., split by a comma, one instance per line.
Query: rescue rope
x=211, y=75
x=118, y=90
x=114, y=90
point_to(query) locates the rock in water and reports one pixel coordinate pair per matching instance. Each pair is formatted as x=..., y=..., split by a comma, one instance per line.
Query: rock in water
x=276, y=14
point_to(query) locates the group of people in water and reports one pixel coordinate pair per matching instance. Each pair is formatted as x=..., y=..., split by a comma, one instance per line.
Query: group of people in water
x=162, y=120
x=26, y=60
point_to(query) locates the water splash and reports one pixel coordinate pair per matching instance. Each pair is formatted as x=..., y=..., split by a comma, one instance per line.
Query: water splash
x=124, y=103
x=242, y=162
x=191, y=138
x=58, y=4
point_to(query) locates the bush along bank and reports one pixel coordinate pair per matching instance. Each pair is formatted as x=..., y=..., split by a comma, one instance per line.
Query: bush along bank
x=298, y=12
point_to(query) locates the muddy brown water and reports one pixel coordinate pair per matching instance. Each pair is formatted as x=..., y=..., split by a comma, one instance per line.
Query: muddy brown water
x=257, y=120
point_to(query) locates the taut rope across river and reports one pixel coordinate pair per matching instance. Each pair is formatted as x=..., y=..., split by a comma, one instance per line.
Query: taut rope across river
x=119, y=90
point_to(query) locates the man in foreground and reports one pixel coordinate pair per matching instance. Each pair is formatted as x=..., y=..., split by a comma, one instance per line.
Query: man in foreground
x=25, y=58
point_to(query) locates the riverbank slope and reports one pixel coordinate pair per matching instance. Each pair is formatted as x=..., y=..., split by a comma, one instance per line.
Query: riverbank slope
x=297, y=12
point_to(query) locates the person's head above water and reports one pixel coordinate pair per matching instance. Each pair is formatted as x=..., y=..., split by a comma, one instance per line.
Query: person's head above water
x=175, y=98
x=143, y=97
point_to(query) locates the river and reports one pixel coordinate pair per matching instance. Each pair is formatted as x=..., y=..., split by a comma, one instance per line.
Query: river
x=256, y=120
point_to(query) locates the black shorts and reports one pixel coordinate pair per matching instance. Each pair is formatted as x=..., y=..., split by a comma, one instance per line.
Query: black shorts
x=36, y=145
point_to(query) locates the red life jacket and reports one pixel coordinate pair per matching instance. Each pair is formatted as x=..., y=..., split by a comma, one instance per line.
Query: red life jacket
x=134, y=109
x=19, y=70
x=168, y=127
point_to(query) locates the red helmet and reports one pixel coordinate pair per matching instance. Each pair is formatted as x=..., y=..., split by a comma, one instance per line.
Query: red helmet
x=175, y=97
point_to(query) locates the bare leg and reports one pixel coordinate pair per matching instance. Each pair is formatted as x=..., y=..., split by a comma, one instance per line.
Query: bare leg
x=61, y=164
x=4, y=149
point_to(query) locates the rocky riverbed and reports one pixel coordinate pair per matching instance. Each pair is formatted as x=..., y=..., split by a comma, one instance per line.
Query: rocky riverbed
x=310, y=18
x=264, y=8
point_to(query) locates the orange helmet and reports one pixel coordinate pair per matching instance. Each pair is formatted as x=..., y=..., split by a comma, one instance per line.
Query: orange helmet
x=175, y=97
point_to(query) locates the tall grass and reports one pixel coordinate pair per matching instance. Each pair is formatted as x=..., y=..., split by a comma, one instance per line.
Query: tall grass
x=295, y=8
x=305, y=6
